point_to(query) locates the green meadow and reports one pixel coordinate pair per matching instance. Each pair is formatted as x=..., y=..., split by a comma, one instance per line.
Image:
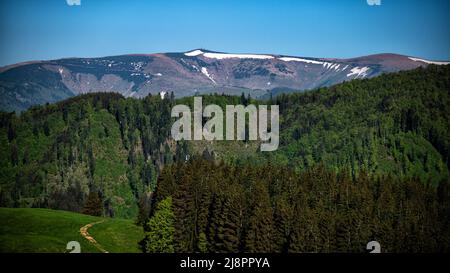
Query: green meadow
x=25, y=230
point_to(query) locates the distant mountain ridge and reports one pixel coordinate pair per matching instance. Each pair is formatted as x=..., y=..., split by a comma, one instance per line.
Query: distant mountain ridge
x=197, y=71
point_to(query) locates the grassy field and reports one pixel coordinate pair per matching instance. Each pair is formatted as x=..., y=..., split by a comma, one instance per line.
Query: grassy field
x=43, y=230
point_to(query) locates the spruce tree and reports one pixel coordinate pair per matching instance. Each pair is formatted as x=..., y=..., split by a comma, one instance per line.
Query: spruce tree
x=93, y=205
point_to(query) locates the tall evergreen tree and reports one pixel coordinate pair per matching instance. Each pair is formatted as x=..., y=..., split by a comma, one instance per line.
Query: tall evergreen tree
x=160, y=235
x=93, y=205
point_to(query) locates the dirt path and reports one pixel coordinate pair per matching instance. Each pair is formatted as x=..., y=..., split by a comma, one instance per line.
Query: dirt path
x=84, y=232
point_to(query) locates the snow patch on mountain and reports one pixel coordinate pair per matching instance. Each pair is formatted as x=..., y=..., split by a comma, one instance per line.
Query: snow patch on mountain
x=206, y=73
x=359, y=72
x=194, y=53
x=428, y=62
x=221, y=56
x=291, y=59
x=327, y=65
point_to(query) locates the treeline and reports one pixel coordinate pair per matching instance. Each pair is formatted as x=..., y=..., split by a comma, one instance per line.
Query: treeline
x=396, y=123
x=202, y=206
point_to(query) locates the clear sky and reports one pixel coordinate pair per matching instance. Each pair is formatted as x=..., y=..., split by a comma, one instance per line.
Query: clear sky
x=50, y=29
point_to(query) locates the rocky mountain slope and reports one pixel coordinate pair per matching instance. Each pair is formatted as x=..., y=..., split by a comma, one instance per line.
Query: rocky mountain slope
x=189, y=73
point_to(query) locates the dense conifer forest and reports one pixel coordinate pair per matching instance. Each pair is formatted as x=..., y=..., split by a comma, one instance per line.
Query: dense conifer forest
x=214, y=207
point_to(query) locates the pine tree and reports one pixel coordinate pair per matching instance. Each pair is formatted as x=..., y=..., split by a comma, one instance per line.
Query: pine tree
x=14, y=154
x=284, y=215
x=184, y=209
x=225, y=227
x=202, y=243
x=259, y=230
x=11, y=131
x=93, y=205
x=160, y=235
x=144, y=209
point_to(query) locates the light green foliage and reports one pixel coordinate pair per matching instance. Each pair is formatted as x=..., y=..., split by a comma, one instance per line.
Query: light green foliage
x=160, y=235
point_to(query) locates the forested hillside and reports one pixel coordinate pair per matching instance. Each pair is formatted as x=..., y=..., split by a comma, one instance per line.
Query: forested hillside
x=394, y=124
x=54, y=156
x=397, y=124
x=107, y=151
x=204, y=206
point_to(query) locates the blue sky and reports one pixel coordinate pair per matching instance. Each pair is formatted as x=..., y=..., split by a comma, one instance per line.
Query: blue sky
x=50, y=29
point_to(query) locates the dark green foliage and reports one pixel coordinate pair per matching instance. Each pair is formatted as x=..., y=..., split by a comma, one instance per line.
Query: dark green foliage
x=11, y=131
x=268, y=208
x=14, y=155
x=93, y=205
x=144, y=210
x=259, y=229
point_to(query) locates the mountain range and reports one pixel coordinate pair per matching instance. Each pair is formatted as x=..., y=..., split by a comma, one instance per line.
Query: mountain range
x=189, y=73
